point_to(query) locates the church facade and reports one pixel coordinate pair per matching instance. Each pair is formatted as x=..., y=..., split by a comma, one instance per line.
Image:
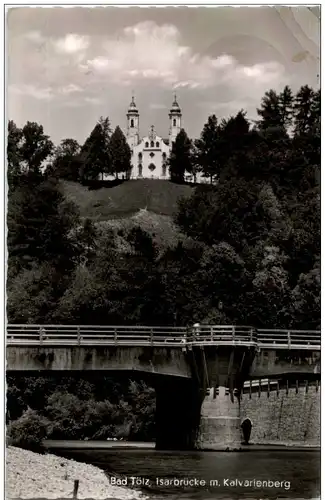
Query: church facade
x=150, y=153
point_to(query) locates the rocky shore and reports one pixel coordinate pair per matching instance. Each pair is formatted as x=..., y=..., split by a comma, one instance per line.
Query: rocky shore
x=31, y=475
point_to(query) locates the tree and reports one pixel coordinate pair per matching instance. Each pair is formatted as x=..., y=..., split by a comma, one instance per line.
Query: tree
x=87, y=236
x=36, y=147
x=180, y=160
x=208, y=149
x=196, y=167
x=68, y=147
x=40, y=221
x=304, y=166
x=43, y=250
x=82, y=299
x=306, y=301
x=268, y=301
x=142, y=243
x=181, y=300
x=29, y=431
x=231, y=211
x=316, y=113
x=223, y=280
x=304, y=243
x=81, y=407
x=235, y=144
x=32, y=295
x=142, y=400
x=303, y=110
x=120, y=153
x=286, y=102
x=66, y=164
x=14, y=159
x=276, y=110
x=270, y=111
x=66, y=411
x=94, y=153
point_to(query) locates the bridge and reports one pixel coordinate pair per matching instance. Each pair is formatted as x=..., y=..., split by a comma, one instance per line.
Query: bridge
x=198, y=372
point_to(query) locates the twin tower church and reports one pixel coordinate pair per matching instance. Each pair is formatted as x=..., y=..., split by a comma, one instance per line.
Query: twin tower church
x=150, y=154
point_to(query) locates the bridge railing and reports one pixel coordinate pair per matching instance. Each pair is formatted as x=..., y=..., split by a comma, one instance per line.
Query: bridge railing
x=127, y=335
x=309, y=339
x=205, y=334
x=92, y=334
x=160, y=335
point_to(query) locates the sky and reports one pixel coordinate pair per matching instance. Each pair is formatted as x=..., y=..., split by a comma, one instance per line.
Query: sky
x=66, y=67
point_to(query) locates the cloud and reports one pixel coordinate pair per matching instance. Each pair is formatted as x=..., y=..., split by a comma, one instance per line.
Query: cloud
x=80, y=102
x=151, y=52
x=35, y=37
x=43, y=93
x=65, y=67
x=233, y=105
x=69, y=89
x=72, y=44
x=263, y=73
x=42, y=66
x=140, y=55
x=32, y=91
x=100, y=64
x=191, y=84
x=92, y=100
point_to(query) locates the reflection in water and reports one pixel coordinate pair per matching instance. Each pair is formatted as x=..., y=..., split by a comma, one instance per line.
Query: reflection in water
x=285, y=474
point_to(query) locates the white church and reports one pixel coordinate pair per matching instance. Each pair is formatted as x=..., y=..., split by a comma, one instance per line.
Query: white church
x=150, y=154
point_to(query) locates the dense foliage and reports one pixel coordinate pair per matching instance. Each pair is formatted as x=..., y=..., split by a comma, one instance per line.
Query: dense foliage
x=78, y=408
x=250, y=252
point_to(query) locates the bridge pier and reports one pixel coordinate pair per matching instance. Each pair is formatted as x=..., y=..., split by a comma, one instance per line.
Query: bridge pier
x=220, y=421
x=220, y=412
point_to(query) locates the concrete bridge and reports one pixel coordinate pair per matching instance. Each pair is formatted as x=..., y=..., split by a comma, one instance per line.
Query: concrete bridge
x=199, y=373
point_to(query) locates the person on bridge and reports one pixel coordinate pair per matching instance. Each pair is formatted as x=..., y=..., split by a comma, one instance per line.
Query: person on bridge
x=197, y=331
x=183, y=341
x=42, y=333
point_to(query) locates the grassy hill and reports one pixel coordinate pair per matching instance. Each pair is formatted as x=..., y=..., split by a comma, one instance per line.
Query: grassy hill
x=124, y=200
x=147, y=203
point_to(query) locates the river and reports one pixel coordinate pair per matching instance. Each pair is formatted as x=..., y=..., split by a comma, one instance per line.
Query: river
x=210, y=473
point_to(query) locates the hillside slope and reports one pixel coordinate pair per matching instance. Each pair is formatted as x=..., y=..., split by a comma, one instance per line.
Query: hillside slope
x=161, y=227
x=126, y=199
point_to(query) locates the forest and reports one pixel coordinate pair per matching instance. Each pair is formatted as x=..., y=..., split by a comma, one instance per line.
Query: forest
x=250, y=251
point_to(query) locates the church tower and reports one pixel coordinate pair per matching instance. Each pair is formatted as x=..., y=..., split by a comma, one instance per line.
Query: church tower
x=133, y=124
x=175, y=117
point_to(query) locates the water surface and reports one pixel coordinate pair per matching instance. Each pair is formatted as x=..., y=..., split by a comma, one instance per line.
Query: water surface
x=298, y=470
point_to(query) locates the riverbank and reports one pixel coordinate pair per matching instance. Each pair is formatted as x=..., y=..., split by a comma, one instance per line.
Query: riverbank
x=78, y=444
x=111, y=445
x=32, y=475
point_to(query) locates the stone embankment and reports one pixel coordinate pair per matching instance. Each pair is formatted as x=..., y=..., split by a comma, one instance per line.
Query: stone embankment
x=31, y=475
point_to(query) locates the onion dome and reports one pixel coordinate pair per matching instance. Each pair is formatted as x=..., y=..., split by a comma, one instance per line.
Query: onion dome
x=133, y=107
x=175, y=109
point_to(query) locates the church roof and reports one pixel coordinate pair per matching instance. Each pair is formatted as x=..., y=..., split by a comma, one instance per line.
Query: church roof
x=133, y=107
x=175, y=106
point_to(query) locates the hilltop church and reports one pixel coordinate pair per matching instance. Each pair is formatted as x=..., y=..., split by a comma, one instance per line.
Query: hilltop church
x=150, y=154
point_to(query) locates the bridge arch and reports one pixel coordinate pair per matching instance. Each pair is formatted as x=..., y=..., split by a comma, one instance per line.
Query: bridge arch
x=246, y=427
